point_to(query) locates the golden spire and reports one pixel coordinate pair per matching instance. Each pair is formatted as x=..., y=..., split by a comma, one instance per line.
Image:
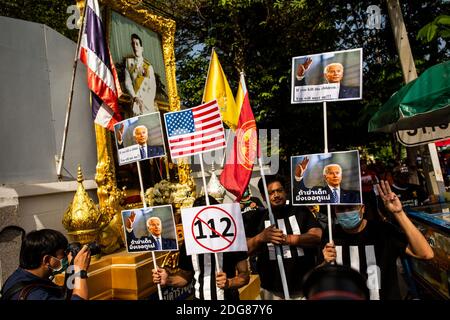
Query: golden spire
x=82, y=217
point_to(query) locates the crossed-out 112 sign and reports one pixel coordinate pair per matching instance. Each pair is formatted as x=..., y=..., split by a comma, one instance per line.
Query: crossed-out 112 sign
x=217, y=228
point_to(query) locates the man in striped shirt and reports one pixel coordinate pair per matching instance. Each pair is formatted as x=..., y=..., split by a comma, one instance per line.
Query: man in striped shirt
x=296, y=230
x=372, y=247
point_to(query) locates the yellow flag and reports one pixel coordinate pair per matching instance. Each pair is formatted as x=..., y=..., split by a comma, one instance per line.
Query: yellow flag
x=217, y=87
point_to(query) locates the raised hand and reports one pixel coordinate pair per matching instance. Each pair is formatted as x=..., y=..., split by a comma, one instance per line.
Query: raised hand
x=119, y=133
x=301, y=167
x=303, y=67
x=129, y=222
x=390, y=199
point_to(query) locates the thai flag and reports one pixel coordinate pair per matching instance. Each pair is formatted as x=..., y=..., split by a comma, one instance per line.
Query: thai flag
x=102, y=76
x=195, y=130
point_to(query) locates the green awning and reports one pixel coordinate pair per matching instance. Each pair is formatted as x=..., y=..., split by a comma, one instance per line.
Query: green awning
x=424, y=102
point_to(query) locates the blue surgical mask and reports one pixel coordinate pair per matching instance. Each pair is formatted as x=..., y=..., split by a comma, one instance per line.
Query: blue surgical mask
x=349, y=220
x=64, y=263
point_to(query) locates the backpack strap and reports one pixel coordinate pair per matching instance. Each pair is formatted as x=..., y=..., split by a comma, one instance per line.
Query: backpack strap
x=13, y=290
x=24, y=288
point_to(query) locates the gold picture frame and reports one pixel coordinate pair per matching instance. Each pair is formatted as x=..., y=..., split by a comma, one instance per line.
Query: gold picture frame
x=109, y=195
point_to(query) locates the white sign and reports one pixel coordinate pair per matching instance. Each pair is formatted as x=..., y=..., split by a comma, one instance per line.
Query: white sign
x=319, y=92
x=129, y=154
x=328, y=76
x=423, y=135
x=216, y=228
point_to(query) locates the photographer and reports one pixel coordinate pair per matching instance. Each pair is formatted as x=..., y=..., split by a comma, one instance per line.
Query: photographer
x=42, y=256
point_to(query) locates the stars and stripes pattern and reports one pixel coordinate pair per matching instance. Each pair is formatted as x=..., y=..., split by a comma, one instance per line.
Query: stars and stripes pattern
x=195, y=130
x=102, y=75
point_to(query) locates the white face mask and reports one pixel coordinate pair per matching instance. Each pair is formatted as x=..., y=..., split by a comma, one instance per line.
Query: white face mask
x=63, y=264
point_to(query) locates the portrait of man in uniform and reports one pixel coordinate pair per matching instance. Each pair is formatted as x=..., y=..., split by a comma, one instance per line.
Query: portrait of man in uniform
x=140, y=81
x=137, y=52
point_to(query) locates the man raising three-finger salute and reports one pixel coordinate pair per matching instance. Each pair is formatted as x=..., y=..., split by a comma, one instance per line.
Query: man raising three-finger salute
x=372, y=247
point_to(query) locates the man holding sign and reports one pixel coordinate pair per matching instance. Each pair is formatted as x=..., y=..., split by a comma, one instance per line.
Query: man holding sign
x=233, y=275
x=297, y=231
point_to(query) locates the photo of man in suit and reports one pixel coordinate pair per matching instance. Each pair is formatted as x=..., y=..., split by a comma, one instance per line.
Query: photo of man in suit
x=154, y=241
x=140, y=134
x=331, y=192
x=332, y=73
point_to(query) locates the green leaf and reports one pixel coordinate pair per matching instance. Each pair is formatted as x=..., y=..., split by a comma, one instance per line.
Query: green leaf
x=444, y=34
x=443, y=20
x=432, y=32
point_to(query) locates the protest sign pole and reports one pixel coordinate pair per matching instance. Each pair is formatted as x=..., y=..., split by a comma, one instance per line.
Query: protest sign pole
x=207, y=202
x=60, y=159
x=325, y=134
x=155, y=266
x=227, y=141
x=277, y=247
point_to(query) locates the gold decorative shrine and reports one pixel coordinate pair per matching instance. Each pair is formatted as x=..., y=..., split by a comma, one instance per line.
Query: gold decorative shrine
x=111, y=198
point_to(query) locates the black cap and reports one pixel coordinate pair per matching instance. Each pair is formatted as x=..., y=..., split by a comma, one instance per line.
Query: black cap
x=335, y=282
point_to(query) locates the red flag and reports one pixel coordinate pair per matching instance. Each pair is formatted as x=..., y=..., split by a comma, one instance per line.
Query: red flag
x=238, y=169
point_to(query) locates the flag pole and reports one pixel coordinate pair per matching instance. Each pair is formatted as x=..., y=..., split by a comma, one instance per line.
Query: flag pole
x=60, y=159
x=207, y=74
x=325, y=135
x=272, y=222
x=227, y=142
x=155, y=266
x=207, y=202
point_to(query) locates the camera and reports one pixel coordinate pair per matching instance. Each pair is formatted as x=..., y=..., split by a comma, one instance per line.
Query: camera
x=75, y=247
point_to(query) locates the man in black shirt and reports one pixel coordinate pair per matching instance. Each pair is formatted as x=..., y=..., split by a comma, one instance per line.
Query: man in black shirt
x=297, y=231
x=372, y=247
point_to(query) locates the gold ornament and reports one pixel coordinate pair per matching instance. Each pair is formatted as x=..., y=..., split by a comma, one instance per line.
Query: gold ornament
x=82, y=217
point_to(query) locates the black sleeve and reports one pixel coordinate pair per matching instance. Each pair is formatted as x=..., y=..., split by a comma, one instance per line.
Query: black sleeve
x=309, y=220
x=397, y=238
x=256, y=224
x=185, y=261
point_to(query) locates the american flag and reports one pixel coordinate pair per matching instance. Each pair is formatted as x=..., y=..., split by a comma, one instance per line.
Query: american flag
x=102, y=76
x=195, y=130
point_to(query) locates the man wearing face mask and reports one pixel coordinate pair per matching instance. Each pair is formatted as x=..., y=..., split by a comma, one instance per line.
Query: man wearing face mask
x=42, y=256
x=372, y=247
